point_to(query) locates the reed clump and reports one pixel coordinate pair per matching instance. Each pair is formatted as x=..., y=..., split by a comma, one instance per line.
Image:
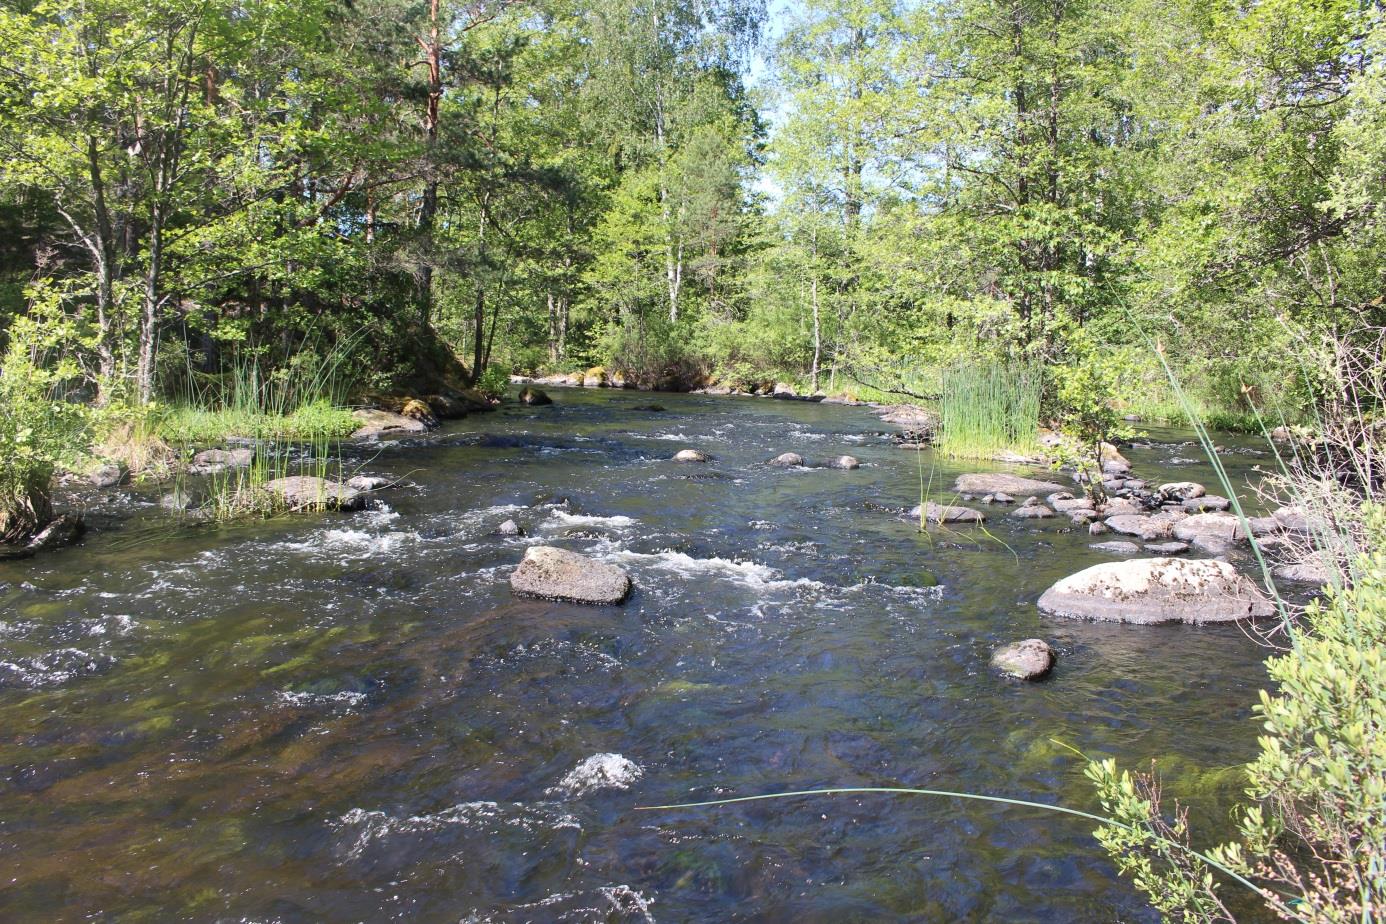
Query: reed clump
x=988, y=410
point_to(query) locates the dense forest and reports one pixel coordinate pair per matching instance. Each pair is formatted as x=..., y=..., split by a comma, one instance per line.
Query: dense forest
x=550, y=186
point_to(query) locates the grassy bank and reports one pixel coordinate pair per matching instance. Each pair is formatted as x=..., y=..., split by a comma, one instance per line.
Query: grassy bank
x=186, y=424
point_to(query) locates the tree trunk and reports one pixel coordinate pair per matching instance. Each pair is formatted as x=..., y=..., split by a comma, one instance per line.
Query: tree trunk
x=817, y=324
x=428, y=208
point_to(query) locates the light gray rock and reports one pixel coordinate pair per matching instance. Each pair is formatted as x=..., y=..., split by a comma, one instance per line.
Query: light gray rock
x=1167, y=548
x=1305, y=572
x=509, y=528
x=215, y=461
x=1148, y=591
x=368, y=483
x=1116, y=547
x=788, y=460
x=1182, y=490
x=1222, y=526
x=376, y=422
x=1098, y=529
x=1209, y=503
x=109, y=475
x=1211, y=545
x=1003, y=483
x=305, y=492
x=1120, y=506
x=846, y=463
x=1072, y=504
x=548, y=573
x=690, y=455
x=1292, y=519
x=1150, y=529
x=1030, y=659
x=1264, y=526
x=1032, y=512
x=947, y=513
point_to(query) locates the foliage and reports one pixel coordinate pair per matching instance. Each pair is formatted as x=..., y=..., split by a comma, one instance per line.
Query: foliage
x=987, y=410
x=40, y=428
x=1087, y=392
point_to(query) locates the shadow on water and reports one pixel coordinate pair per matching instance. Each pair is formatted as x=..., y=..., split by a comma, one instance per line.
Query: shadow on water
x=348, y=717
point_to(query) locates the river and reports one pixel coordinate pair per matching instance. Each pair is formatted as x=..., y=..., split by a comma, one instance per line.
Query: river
x=348, y=717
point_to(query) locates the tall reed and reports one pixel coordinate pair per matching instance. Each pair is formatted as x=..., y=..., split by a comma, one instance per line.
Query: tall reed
x=988, y=410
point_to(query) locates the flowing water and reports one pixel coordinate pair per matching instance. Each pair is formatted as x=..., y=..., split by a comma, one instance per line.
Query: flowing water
x=347, y=717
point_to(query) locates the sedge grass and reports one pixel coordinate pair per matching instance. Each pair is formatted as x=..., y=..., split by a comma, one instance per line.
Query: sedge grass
x=989, y=410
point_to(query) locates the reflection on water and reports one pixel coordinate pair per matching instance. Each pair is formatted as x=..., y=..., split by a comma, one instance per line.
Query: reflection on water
x=348, y=717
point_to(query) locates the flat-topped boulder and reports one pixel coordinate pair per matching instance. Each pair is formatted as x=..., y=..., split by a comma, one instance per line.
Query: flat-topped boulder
x=1149, y=591
x=947, y=513
x=548, y=573
x=214, y=461
x=788, y=460
x=1182, y=490
x=1004, y=483
x=1151, y=529
x=305, y=492
x=376, y=422
x=690, y=455
x=1222, y=526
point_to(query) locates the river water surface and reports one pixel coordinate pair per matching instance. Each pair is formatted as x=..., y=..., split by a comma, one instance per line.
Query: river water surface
x=347, y=717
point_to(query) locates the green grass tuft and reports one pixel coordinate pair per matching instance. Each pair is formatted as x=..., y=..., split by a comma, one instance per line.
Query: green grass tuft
x=986, y=410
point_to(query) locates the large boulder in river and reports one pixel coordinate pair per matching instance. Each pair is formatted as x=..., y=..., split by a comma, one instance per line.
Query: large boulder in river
x=376, y=422
x=305, y=492
x=1182, y=490
x=1223, y=526
x=788, y=460
x=1157, y=590
x=992, y=482
x=548, y=573
x=847, y=463
x=1151, y=529
x=1027, y=660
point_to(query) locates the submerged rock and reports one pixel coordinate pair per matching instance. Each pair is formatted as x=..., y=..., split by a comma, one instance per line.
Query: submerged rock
x=548, y=573
x=375, y=422
x=509, y=528
x=690, y=455
x=214, y=461
x=1003, y=483
x=1116, y=547
x=534, y=397
x=1030, y=659
x=368, y=483
x=1148, y=591
x=788, y=460
x=305, y=492
x=845, y=462
x=1167, y=548
x=946, y=513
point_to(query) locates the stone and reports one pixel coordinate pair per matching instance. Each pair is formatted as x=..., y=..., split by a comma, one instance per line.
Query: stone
x=595, y=378
x=1058, y=496
x=1150, y=591
x=305, y=492
x=1003, y=483
x=846, y=463
x=1181, y=490
x=788, y=460
x=1081, y=517
x=1211, y=545
x=1098, y=528
x=1210, y=503
x=1264, y=526
x=947, y=513
x=214, y=461
x=534, y=397
x=109, y=475
x=1036, y=511
x=446, y=407
x=1150, y=529
x=1292, y=519
x=1305, y=572
x=1116, y=547
x=375, y=422
x=368, y=483
x=547, y=573
x=1167, y=548
x=690, y=455
x=1121, y=506
x=1030, y=659
x=1222, y=526
x=1113, y=467
x=1072, y=504
x=1030, y=502
x=509, y=528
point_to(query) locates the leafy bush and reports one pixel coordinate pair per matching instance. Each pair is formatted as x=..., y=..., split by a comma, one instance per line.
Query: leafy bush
x=39, y=429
